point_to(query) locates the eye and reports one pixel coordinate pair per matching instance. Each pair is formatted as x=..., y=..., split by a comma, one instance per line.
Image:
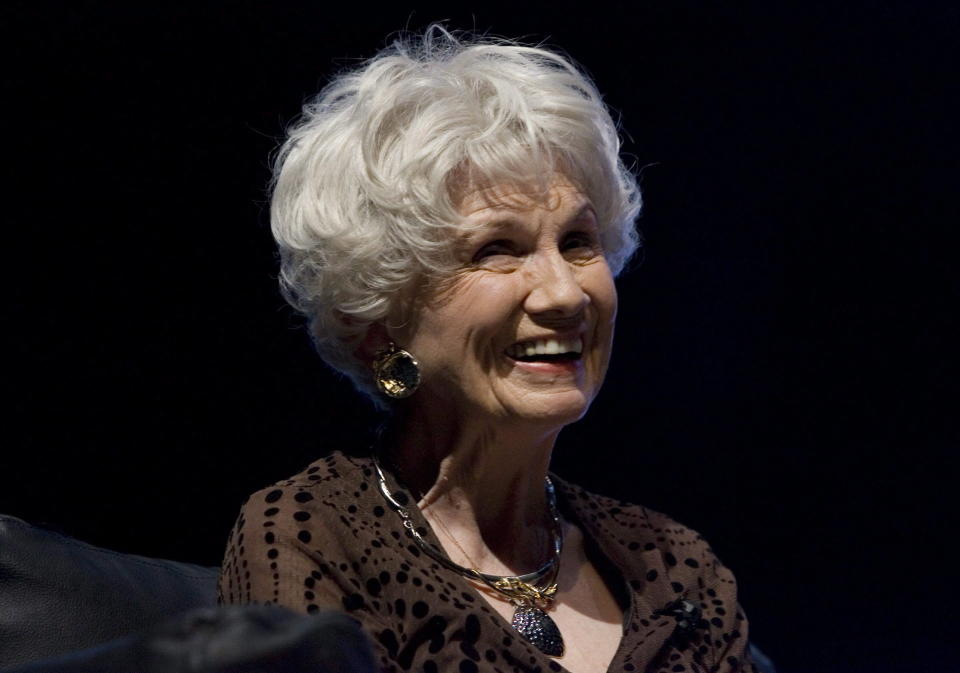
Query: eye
x=579, y=241
x=495, y=248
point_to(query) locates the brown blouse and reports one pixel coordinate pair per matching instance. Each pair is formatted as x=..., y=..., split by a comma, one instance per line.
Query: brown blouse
x=327, y=539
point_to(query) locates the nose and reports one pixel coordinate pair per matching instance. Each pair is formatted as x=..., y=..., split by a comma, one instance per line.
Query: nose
x=555, y=289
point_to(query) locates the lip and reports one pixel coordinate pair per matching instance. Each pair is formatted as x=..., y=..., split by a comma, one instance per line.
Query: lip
x=559, y=367
x=555, y=368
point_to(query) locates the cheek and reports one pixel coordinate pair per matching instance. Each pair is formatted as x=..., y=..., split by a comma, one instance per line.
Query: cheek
x=458, y=326
x=481, y=312
x=603, y=293
x=612, y=299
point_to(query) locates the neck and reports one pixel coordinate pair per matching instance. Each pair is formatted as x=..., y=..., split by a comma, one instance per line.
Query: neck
x=481, y=488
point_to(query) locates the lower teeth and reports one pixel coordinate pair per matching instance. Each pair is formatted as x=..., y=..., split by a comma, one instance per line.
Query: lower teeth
x=562, y=357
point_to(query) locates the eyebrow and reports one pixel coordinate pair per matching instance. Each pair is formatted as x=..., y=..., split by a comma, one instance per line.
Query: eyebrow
x=501, y=222
x=583, y=210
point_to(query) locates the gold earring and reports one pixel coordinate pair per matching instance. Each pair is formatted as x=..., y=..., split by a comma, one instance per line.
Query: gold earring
x=396, y=372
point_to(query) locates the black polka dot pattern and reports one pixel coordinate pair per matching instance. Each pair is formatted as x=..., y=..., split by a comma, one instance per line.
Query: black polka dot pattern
x=323, y=540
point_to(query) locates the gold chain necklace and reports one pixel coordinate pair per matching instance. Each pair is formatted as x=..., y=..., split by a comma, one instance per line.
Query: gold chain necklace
x=530, y=594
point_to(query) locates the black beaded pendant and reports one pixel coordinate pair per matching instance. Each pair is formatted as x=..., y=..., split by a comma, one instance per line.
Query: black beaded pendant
x=536, y=626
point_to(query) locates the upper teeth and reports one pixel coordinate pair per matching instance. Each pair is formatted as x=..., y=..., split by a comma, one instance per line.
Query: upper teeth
x=546, y=347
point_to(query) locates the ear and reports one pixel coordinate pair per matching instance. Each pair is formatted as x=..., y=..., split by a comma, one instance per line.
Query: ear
x=375, y=340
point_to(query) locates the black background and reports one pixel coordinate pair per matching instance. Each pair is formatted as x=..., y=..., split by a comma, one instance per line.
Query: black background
x=784, y=376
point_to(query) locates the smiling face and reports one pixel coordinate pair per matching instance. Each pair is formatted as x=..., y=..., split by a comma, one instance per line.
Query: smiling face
x=523, y=328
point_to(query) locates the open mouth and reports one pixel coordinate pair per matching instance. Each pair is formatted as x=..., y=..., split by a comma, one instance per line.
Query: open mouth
x=547, y=350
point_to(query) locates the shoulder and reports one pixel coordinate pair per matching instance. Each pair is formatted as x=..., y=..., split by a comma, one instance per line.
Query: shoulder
x=316, y=505
x=665, y=563
x=301, y=541
x=661, y=557
x=334, y=479
x=635, y=527
x=330, y=474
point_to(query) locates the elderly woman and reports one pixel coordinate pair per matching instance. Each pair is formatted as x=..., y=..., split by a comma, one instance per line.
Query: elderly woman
x=450, y=216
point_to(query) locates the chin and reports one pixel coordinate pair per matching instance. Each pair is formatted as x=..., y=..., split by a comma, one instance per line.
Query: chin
x=556, y=409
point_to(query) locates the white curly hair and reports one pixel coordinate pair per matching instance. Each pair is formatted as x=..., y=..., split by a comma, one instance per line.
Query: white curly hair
x=364, y=202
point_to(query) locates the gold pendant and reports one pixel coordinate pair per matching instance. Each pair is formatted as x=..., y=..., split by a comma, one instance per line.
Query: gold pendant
x=524, y=593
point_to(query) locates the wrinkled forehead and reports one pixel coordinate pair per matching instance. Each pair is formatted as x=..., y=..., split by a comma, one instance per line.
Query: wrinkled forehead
x=476, y=198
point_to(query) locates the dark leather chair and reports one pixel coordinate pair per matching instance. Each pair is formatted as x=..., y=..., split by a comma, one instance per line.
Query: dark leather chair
x=71, y=607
